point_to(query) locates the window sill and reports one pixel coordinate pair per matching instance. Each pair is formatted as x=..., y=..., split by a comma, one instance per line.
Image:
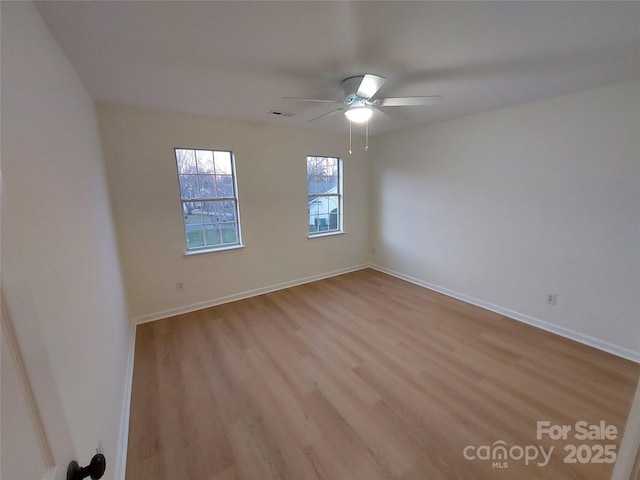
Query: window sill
x=327, y=234
x=190, y=253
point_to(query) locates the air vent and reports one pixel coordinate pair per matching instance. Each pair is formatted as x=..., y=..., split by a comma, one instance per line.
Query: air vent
x=277, y=113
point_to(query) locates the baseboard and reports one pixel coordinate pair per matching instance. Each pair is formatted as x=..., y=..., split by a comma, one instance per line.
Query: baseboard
x=121, y=460
x=242, y=295
x=120, y=465
x=564, y=332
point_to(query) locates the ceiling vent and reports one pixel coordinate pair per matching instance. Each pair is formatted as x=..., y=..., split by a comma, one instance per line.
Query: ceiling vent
x=277, y=113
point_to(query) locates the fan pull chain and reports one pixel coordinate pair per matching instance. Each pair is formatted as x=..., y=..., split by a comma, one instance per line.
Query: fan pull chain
x=350, y=152
x=366, y=141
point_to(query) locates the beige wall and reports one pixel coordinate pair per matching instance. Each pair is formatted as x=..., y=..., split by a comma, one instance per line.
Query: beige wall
x=499, y=208
x=60, y=270
x=506, y=206
x=271, y=169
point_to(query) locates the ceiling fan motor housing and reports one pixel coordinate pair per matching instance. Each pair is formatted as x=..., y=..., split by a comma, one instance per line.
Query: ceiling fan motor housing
x=351, y=85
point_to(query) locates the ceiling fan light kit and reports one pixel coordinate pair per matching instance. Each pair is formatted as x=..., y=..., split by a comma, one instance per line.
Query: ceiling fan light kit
x=359, y=114
x=359, y=103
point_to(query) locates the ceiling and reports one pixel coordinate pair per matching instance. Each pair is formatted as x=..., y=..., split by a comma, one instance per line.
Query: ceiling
x=237, y=59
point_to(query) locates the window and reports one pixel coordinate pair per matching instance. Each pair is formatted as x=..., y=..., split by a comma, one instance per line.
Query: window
x=324, y=195
x=209, y=198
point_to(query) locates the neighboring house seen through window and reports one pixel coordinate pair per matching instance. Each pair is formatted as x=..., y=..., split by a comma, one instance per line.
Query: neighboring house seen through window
x=209, y=199
x=324, y=189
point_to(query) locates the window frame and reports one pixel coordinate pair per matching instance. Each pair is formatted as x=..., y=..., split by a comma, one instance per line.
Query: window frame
x=234, y=199
x=339, y=193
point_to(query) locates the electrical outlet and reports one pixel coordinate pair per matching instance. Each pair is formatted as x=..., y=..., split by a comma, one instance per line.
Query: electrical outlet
x=179, y=287
x=551, y=298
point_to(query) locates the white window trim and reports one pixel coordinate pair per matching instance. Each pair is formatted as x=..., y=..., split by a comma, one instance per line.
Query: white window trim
x=340, y=194
x=210, y=249
x=200, y=251
x=326, y=234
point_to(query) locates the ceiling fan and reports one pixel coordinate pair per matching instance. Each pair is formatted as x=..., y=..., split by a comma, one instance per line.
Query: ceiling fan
x=359, y=104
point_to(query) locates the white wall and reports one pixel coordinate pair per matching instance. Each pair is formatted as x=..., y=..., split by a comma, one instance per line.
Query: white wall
x=55, y=186
x=506, y=206
x=20, y=449
x=271, y=173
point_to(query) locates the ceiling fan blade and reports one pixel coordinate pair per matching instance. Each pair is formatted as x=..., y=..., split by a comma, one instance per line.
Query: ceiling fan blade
x=328, y=113
x=370, y=85
x=321, y=100
x=379, y=115
x=409, y=101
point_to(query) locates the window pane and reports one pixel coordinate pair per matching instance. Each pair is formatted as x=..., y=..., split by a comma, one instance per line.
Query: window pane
x=205, y=161
x=331, y=167
x=334, y=219
x=225, y=185
x=192, y=213
x=207, y=186
x=331, y=175
x=228, y=232
x=311, y=185
x=333, y=203
x=227, y=211
x=322, y=207
x=212, y=235
x=322, y=184
x=186, y=160
x=311, y=175
x=313, y=221
x=210, y=213
x=223, y=163
x=195, y=236
x=188, y=186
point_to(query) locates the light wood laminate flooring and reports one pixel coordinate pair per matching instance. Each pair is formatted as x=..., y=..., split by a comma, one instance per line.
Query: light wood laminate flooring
x=363, y=376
